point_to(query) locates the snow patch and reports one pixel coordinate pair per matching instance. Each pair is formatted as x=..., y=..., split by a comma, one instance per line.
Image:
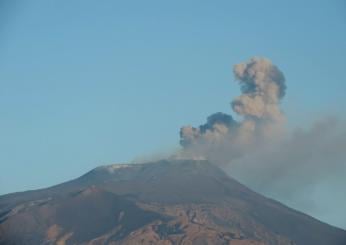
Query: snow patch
x=114, y=167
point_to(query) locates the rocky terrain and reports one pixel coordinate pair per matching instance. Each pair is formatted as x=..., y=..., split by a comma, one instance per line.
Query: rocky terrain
x=165, y=202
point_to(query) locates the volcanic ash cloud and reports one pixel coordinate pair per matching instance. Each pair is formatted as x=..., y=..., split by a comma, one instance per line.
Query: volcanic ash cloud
x=305, y=168
x=222, y=138
x=262, y=86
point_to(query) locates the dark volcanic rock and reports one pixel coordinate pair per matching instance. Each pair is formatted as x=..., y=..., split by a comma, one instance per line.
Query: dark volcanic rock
x=81, y=216
x=166, y=202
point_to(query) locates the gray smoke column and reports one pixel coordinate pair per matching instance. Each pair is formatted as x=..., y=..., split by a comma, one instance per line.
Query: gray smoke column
x=262, y=85
x=222, y=138
x=304, y=169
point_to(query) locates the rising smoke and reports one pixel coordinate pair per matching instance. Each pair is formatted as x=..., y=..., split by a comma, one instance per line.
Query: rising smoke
x=262, y=85
x=305, y=169
x=221, y=138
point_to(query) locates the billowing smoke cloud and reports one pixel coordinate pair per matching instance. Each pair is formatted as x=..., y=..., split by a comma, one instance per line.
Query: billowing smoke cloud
x=214, y=130
x=305, y=169
x=262, y=86
x=221, y=138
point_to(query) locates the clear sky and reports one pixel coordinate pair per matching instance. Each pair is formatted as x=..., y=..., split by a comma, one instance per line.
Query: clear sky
x=85, y=83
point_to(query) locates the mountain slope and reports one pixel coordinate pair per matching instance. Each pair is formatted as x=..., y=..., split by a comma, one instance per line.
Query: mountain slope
x=165, y=202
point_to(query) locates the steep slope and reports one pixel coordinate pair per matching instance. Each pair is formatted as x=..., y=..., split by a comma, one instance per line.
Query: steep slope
x=77, y=217
x=166, y=202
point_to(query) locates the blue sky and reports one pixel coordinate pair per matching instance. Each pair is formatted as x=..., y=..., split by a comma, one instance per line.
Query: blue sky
x=85, y=83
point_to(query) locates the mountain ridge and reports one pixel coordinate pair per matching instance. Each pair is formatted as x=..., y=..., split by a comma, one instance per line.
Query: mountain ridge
x=187, y=202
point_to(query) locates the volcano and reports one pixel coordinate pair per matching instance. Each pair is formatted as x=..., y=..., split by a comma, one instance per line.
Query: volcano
x=163, y=202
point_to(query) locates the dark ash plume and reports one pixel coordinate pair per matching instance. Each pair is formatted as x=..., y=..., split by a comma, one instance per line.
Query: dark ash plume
x=217, y=125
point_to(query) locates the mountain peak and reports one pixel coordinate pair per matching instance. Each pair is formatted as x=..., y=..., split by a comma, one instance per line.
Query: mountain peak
x=171, y=201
